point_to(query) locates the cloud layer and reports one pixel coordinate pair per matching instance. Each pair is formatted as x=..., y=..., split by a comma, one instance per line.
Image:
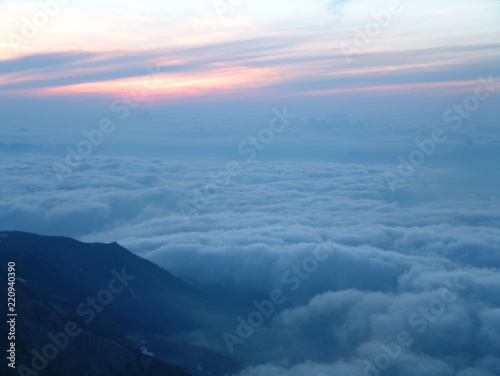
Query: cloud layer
x=295, y=50
x=410, y=266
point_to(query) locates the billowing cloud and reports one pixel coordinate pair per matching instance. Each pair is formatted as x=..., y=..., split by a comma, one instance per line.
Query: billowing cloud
x=406, y=282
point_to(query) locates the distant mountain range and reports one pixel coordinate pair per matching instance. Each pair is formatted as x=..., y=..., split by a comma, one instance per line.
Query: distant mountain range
x=98, y=309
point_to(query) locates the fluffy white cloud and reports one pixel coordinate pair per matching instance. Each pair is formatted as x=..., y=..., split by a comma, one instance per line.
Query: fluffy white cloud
x=411, y=262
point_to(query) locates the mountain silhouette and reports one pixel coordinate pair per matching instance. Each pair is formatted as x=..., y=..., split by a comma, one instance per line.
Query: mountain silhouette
x=105, y=311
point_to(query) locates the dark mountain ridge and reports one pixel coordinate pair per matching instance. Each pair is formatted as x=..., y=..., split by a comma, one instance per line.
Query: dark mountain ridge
x=124, y=305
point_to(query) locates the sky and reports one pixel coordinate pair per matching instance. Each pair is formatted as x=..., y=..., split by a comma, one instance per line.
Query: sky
x=227, y=140
x=170, y=75
x=210, y=51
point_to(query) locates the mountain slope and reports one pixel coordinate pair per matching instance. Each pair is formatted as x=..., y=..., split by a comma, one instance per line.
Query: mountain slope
x=115, y=297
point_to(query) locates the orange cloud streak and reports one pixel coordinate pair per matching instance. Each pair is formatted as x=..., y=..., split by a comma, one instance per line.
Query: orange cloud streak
x=221, y=79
